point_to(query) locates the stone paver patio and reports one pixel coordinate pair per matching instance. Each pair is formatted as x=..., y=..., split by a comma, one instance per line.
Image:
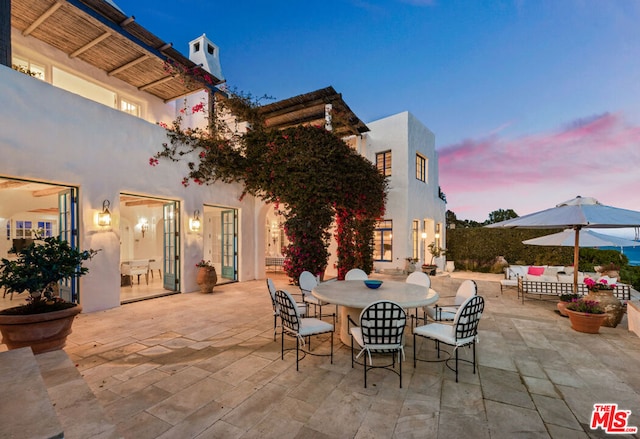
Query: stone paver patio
x=206, y=366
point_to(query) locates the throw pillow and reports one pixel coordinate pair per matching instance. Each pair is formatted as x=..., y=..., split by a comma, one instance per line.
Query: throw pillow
x=535, y=271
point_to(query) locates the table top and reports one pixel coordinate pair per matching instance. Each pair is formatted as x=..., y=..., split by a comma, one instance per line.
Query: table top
x=355, y=294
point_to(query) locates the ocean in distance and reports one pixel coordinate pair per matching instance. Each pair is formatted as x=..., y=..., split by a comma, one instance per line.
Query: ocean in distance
x=633, y=253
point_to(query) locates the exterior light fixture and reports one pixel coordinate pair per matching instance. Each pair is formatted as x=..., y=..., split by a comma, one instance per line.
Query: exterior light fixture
x=104, y=217
x=194, y=223
x=424, y=235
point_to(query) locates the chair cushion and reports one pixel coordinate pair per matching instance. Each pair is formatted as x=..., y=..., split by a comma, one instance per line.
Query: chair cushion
x=442, y=332
x=314, y=300
x=311, y=326
x=444, y=312
x=356, y=332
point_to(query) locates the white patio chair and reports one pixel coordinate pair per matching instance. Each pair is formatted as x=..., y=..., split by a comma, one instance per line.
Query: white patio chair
x=307, y=282
x=422, y=279
x=447, y=312
x=356, y=274
x=299, y=328
x=381, y=330
x=463, y=332
x=302, y=308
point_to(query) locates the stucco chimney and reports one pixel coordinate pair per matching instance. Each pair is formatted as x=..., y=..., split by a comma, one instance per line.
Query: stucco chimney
x=202, y=51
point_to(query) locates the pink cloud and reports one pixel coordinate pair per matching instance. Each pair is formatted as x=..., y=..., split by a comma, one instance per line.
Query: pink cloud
x=592, y=155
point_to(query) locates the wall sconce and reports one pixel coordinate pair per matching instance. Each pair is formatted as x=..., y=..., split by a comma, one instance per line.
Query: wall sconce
x=424, y=235
x=194, y=223
x=144, y=225
x=104, y=217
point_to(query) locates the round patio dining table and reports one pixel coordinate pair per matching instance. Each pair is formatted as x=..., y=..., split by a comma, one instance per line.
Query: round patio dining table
x=353, y=296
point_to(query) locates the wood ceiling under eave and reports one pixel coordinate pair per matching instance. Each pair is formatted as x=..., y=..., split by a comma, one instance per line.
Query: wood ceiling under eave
x=309, y=109
x=100, y=35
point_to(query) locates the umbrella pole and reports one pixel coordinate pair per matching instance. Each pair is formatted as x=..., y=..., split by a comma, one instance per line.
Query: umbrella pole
x=576, y=259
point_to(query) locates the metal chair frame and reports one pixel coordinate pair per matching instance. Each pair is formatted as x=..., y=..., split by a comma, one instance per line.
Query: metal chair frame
x=300, y=328
x=464, y=331
x=382, y=331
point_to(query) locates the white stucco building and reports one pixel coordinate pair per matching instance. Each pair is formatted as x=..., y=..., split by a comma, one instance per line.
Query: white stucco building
x=78, y=136
x=404, y=150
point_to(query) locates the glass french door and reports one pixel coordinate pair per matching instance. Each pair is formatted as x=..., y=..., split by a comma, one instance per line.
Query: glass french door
x=229, y=244
x=68, y=231
x=171, y=245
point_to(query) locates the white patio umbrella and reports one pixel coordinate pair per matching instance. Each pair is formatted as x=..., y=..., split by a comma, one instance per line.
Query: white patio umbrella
x=578, y=213
x=588, y=238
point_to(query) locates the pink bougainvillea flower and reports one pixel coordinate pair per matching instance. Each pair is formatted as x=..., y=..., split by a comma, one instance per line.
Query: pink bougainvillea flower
x=153, y=161
x=198, y=107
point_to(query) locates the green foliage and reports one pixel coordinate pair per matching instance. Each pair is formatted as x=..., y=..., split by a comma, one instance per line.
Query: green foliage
x=501, y=215
x=586, y=306
x=631, y=275
x=476, y=249
x=590, y=258
x=40, y=266
x=308, y=172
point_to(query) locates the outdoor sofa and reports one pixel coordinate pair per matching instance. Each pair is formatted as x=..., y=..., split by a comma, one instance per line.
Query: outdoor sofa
x=552, y=281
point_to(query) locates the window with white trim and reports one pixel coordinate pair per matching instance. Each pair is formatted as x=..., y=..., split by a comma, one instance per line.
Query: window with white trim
x=383, y=241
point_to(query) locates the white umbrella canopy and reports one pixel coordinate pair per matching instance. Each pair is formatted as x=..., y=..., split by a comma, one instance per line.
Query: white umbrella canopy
x=578, y=213
x=588, y=238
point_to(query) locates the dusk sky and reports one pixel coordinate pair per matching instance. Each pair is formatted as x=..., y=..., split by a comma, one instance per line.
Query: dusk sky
x=531, y=102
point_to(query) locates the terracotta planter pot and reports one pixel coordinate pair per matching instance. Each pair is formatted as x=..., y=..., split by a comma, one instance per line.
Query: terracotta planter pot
x=611, y=305
x=585, y=322
x=207, y=279
x=429, y=269
x=562, y=308
x=43, y=332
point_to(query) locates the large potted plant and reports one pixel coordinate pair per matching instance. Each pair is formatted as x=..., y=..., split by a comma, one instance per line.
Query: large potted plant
x=585, y=316
x=45, y=320
x=565, y=300
x=436, y=252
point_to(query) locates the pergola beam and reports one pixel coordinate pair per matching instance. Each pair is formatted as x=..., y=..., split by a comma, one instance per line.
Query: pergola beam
x=128, y=65
x=90, y=44
x=54, y=7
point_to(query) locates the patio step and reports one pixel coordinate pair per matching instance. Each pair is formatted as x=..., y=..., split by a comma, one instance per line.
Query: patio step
x=77, y=407
x=27, y=410
x=49, y=398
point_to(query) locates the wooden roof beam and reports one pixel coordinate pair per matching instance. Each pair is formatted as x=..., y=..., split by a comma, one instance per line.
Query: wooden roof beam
x=90, y=44
x=12, y=184
x=54, y=7
x=128, y=65
x=154, y=83
x=46, y=192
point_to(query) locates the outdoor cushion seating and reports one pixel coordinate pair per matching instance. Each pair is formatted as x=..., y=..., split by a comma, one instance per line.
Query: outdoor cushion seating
x=422, y=279
x=356, y=274
x=293, y=325
x=302, y=308
x=440, y=312
x=307, y=282
x=463, y=331
x=380, y=330
x=621, y=291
